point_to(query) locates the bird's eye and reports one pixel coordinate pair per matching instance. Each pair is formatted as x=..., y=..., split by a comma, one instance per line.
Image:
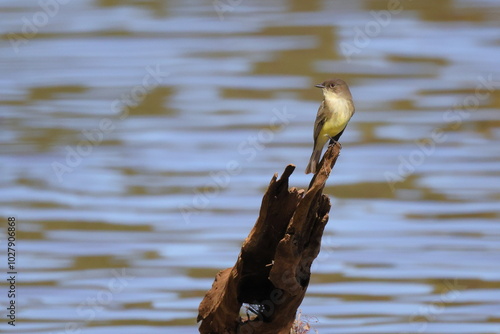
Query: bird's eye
x=332, y=85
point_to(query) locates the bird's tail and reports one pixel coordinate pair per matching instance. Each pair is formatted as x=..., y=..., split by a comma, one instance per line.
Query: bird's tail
x=313, y=162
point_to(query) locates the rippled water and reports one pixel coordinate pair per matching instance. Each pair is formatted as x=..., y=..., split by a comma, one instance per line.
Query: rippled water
x=138, y=139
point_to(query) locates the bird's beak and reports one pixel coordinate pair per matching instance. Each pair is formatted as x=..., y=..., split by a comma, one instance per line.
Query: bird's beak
x=320, y=86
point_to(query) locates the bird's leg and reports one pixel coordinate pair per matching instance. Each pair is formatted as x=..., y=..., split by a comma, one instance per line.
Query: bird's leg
x=334, y=142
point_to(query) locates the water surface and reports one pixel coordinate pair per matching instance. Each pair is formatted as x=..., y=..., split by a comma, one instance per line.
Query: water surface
x=139, y=137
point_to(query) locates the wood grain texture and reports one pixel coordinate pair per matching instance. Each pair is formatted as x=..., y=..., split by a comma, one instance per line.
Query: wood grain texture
x=273, y=268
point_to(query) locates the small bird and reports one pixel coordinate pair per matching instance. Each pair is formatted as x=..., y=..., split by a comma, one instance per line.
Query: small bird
x=333, y=115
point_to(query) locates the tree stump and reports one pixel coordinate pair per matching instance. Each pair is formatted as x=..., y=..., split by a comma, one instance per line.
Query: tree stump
x=273, y=269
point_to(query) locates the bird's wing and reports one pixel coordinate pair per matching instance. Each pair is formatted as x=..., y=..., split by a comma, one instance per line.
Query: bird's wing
x=320, y=120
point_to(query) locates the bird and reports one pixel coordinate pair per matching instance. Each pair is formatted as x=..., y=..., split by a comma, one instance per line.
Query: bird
x=334, y=113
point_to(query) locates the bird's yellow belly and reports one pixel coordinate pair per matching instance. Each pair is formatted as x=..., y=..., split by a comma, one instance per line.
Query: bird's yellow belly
x=333, y=126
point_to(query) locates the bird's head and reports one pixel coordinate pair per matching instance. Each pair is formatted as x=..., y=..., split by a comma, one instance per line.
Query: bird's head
x=335, y=88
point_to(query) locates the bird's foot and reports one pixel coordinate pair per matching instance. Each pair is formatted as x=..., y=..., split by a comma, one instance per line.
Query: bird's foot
x=334, y=142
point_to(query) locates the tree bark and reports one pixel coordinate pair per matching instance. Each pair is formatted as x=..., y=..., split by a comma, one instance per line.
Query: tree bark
x=273, y=269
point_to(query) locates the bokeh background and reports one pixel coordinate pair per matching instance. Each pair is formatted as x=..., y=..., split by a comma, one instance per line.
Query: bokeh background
x=138, y=138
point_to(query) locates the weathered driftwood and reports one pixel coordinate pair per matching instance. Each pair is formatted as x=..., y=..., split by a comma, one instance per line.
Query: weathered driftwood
x=273, y=269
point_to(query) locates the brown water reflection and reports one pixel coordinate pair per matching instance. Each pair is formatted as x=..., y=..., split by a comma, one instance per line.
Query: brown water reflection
x=413, y=242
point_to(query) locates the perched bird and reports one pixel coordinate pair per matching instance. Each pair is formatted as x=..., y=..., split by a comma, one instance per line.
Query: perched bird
x=333, y=115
